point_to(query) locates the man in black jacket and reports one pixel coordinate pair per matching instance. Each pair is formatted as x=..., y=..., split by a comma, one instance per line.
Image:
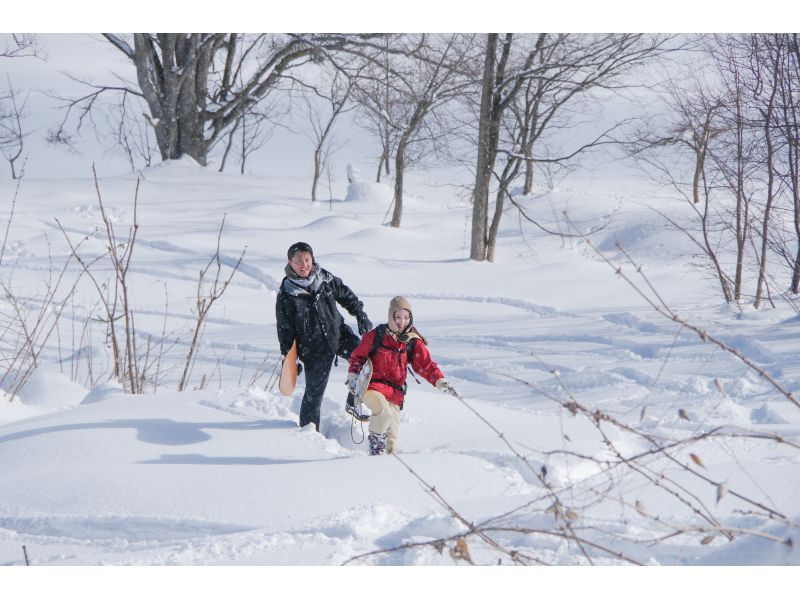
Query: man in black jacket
x=306, y=312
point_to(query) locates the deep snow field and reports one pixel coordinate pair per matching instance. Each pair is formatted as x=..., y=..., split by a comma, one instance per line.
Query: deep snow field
x=222, y=475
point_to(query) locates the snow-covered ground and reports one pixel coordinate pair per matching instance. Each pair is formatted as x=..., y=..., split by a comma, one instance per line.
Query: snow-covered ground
x=222, y=475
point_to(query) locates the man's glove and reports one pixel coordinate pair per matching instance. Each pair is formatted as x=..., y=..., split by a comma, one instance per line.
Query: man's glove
x=445, y=386
x=351, y=382
x=364, y=325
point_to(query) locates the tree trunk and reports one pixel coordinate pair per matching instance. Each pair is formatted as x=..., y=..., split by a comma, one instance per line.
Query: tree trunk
x=510, y=173
x=380, y=167
x=197, y=85
x=174, y=93
x=698, y=173
x=710, y=249
x=491, y=240
x=775, y=58
x=528, y=188
x=790, y=128
x=399, y=169
x=317, y=172
x=742, y=203
x=383, y=165
x=485, y=162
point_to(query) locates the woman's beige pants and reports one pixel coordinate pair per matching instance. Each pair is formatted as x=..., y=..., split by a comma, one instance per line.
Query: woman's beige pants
x=385, y=418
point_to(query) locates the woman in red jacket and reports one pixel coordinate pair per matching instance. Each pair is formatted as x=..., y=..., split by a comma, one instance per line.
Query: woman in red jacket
x=392, y=348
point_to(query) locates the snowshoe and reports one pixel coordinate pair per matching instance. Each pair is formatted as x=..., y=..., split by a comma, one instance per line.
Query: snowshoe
x=356, y=412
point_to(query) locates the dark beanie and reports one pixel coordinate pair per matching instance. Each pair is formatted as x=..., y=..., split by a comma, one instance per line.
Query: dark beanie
x=299, y=246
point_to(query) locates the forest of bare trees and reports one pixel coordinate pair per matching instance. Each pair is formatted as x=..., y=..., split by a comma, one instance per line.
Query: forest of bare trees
x=728, y=144
x=512, y=111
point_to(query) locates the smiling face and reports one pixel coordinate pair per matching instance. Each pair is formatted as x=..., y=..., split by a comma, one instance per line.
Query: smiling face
x=302, y=262
x=402, y=318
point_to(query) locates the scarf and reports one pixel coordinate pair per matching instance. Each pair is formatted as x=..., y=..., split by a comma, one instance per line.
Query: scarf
x=310, y=284
x=406, y=335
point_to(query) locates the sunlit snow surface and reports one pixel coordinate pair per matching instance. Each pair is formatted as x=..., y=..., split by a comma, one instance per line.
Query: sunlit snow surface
x=223, y=475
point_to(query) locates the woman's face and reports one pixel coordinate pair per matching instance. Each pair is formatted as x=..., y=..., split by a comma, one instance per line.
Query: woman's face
x=402, y=318
x=301, y=263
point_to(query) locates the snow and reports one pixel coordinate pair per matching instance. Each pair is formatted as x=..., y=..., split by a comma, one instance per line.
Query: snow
x=221, y=474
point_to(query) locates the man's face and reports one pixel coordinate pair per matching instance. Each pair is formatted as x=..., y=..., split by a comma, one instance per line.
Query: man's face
x=301, y=263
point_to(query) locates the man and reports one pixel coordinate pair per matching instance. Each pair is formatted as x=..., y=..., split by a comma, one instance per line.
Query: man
x=306, y=313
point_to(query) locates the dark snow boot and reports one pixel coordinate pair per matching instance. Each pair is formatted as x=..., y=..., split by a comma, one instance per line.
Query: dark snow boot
x=377, y=443
x=356, y=412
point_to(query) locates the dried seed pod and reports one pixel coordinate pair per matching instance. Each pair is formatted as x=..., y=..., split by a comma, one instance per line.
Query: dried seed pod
x=461, y=551
x=697, y=460
x=722, y=490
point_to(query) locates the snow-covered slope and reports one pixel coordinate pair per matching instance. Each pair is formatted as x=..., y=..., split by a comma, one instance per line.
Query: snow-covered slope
x=223, y=475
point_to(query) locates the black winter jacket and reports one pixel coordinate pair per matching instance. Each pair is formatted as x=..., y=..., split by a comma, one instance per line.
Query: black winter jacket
x=310, y=316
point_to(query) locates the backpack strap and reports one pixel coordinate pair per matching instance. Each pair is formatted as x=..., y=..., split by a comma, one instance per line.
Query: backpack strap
x=377, y=341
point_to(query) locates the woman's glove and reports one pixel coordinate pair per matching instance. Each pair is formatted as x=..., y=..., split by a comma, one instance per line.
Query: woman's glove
x=445, y=386
x=351, y=382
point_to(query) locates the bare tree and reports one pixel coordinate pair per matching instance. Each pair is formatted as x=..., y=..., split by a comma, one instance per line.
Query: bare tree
x=198, y=86
x=789, y=126
x=770, y=55
x=740, y=131
x=12, y=106
x=251, y=131
x=574, y=65
x=116, y=297
x=12, y=133
x=433, y=80
x=733, y=159
x=675, y=155
x=322, y=105
x=17, y=45
x=210, y=288
x=373, y=94
x=133, y=134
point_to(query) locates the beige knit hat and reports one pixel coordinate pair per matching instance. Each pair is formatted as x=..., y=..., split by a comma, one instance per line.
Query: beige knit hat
x=395, y=304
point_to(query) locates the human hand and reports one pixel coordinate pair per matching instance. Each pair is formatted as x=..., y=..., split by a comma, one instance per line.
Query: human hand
x=351, y=382
x=364, y=325
x=445, y=386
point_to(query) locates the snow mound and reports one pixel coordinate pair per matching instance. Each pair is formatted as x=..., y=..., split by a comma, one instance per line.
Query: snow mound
x=183, y=165
x=338, y=224
x=360, y=190
x=757, y=550
x=765, y=415
x=103, y=392
x=48, y=387
x=750, y=347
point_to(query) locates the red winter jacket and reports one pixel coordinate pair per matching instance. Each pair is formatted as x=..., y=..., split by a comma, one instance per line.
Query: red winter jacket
x=390, y=361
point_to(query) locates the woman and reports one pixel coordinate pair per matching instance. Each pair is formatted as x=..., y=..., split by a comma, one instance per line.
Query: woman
x=392, y=348
x=307, y=314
